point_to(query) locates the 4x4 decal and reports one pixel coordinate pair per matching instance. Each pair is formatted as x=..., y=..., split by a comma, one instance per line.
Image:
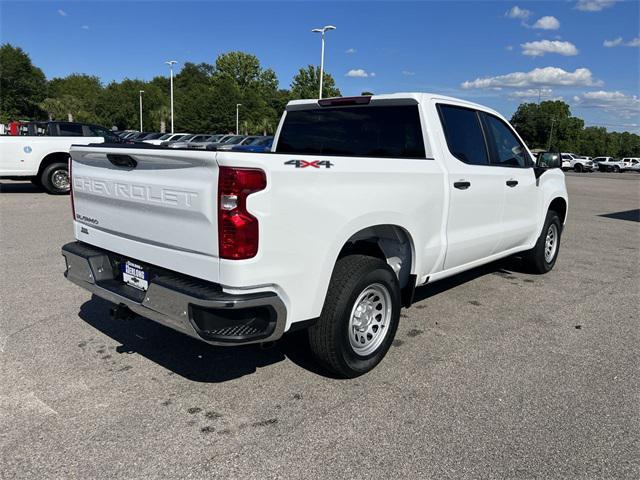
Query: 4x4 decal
x=312, y=163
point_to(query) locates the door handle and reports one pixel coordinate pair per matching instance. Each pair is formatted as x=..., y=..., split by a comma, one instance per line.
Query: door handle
x=512, y=183
x=461, y=185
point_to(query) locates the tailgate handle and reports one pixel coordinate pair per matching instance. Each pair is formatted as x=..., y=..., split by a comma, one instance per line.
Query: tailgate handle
x=124, y=161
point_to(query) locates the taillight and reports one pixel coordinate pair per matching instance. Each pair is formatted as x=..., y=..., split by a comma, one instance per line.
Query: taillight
x=73, y=206
x=237, y=228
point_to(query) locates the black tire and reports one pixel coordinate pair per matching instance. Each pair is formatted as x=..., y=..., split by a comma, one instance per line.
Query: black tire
x=578, y=168
x=330, y=337
x=35, y=181
x=50, y=178
x=616, y=169
x=535, y=259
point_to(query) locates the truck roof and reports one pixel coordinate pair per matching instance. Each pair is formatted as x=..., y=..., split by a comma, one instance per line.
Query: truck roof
x=390, y=99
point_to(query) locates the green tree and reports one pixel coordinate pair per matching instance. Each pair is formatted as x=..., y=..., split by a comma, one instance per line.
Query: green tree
x=22, y=85
x=246, y=71
x=85, y=91
x=307, y=82
x=63, y=108
x=549, y=121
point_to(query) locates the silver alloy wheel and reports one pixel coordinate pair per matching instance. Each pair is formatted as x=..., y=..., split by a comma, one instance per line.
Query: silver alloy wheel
x=369, y=320
x=60, y=179
x=551, y=243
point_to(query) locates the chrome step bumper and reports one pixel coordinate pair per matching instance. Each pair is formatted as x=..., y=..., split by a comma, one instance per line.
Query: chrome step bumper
x=192, y=306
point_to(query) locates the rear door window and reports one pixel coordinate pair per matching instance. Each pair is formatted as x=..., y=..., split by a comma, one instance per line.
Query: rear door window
x=464, y=135
x=371, y=131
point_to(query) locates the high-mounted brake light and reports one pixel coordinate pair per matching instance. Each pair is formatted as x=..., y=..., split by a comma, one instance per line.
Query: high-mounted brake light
x=341, y=101
x=73, y=205
x=237, y=228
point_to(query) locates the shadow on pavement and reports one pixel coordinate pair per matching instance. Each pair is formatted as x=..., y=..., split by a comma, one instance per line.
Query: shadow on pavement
x=200, y=362
x=630, y=215
x=503, y=268
x=191, y=358
x=19, y=187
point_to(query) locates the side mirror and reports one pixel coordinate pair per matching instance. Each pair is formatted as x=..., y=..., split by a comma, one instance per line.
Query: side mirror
x=549, y=160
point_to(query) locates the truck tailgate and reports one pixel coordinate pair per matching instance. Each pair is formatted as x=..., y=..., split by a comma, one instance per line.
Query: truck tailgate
x=155, y=197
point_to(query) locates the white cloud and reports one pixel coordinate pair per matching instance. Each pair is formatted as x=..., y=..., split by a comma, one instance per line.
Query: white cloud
x=535, y=95
x=618, y=103
x=85, y=27
x=517, y=12
x=594, y=5
x=613, y=43
x=532, y=93
x=408, y=73
x=538, y=77
x=509, y=47
x=539, y=48
x=359, y=73
x=62, y=13
x=618, y=42
x=350, y=50
x=547, y=23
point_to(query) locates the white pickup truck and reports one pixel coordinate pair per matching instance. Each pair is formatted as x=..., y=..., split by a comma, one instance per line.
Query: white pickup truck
x=571, y=161
x=360, y=200
x=609, y=164
x=43, y=159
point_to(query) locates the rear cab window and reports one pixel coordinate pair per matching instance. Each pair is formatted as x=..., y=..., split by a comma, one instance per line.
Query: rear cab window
x=70, y=130
x=382, y=131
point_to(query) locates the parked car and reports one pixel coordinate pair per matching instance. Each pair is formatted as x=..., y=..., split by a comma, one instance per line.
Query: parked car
x=244, y=141
x=631, y=163
x=43, y=156
x=167, y=137
x=185, y=142
x=571, y=161
x=227, y=141
x=257, y=145
x=184, y=138
x=150, y=136
x=201, y=145
x=609, y=164
x=362, y=200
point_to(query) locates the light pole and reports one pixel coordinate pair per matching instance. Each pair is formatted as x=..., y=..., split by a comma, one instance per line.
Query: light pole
x=238, y=105
x=141, y=92
x=171, y=63
x=322, y=30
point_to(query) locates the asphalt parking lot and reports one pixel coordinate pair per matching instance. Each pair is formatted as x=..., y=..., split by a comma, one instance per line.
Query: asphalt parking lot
x=494, y=373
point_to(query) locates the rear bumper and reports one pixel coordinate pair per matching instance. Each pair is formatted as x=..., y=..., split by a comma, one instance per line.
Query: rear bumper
x=192, y=306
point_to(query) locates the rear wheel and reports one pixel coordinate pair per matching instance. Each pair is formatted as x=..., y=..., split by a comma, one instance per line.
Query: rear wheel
x=616, y=169
x=55, y=178
x=542, y=257
x=359, y=318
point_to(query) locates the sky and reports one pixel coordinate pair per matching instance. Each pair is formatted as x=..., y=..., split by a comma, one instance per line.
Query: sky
x=497, y=53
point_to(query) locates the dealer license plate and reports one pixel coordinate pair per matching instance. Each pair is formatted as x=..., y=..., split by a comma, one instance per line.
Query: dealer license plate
x=135, y=275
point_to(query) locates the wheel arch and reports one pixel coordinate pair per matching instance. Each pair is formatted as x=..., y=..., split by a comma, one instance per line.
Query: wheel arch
x=559, y=205
x=392, y=244
x=51, y=158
